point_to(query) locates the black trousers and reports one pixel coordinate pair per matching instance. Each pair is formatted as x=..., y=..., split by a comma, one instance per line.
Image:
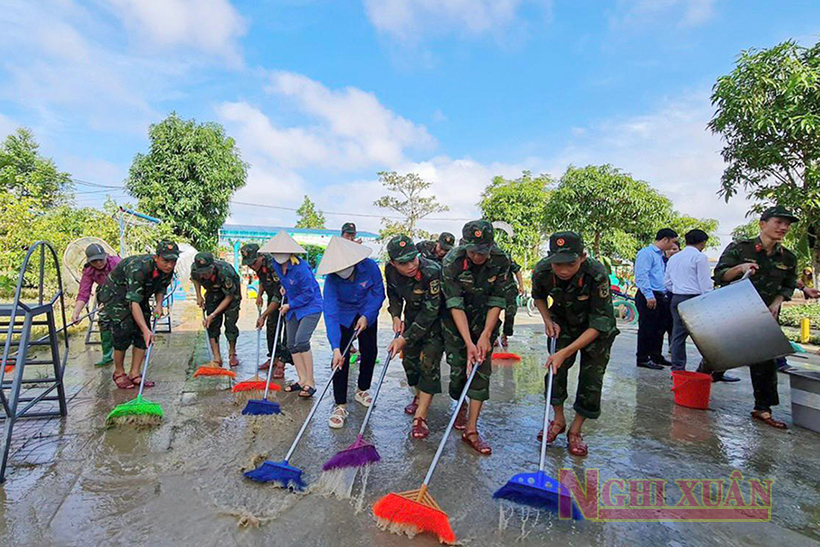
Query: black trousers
x=764, y=384
x=652, y=326
x=368, y=350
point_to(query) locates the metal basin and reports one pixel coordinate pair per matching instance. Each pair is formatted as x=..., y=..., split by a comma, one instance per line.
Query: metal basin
x=732, y=327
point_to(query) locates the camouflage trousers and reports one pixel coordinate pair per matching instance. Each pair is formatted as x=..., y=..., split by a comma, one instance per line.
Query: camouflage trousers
x=230, y=317
x=510, y=310
x=422, y=363
x=282, y=352
x=124, y=332
x=594, y=359
x=456, y=352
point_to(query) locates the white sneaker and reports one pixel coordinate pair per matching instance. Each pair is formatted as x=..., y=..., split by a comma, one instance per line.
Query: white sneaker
x=364, y=398
x=337, y=417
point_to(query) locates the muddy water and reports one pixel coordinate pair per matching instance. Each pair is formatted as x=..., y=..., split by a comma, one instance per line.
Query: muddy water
x=181, y=483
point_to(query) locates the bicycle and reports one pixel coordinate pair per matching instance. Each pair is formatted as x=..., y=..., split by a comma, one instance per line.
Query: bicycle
x=527, y=301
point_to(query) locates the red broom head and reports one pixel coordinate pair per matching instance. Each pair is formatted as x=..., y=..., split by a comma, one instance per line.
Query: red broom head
x=214, y=371
x=9, y=368
x=401, y=515
x=507, y=356
x=255, y=385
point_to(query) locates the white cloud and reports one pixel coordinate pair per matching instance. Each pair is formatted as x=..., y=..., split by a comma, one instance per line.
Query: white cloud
x=209, y=26
x=683, y=12
x=405, y=20
x=7, y=126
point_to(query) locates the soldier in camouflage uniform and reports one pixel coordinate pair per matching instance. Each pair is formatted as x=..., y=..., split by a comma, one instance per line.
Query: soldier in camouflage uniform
x=474, y=281
x=516, y=285
x=124, y=299
x=773, y=271
x=583, y=320
x=437, y=250
x=269, y=286
x=414, y=286
x=223, y=294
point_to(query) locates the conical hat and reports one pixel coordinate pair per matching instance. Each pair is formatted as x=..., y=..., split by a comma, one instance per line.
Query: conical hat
x=340, y=254
x=282, y=243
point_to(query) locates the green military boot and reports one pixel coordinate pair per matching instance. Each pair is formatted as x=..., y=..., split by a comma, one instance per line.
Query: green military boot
x=107, y=341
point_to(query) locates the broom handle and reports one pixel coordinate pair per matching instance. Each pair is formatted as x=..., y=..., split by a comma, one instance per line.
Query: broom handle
x=552, y=343
x=207, y=338
x=378, y=389
x=447, y=431
x=319, y=400
x=147, y=358
x=272, y=353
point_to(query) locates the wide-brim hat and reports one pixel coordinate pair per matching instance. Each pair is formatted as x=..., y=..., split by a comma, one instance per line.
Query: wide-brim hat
x=504, y=227
x=340, y=254
x=282, y=243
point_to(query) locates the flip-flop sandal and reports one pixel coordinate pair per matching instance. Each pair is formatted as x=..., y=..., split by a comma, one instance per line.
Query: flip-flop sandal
x=234, y=361
x=123, y=381
x=553, y=432
x=307, y=392
x=138, y=378
x=769, y=420
x=420, y=429
x=476, y=443
x=290, y=388
x=576, y=445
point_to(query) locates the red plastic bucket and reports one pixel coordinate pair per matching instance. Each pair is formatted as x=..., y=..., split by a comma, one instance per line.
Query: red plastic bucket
x=691, y=389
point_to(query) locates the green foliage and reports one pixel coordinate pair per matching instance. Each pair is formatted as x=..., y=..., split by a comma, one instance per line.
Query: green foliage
x=683, y=223
x=314, y=254
x=768, y=114
x=309, y=217
x=746, y=231
x=791, y=315
x=188, y=177
x=796, y=240
x=26, y=174
x=523, y=204
x=140, y=238
x=412, y=204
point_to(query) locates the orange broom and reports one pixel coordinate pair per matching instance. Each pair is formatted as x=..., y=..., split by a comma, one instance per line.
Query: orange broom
x=415, y=511
x=210, y=369
x=505, y=356
x=255, y=387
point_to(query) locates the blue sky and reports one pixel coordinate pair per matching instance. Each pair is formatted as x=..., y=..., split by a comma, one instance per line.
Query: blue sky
x=321, y=94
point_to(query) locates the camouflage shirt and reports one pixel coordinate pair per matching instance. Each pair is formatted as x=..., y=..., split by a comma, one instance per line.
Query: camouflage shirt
x=135, y=279
x=269, y=281
x=777, y=274
x=472, y=288
x=514, y=269
x=427, y=249
x=579, y=303
x=419, y=297
x=224, y=279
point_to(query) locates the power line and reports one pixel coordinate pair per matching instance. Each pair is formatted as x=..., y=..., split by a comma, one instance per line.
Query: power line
x=95, y=184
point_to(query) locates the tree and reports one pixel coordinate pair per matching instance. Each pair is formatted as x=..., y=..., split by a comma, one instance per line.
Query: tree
x=683, y=223
x=24, y=173
x=614, y=212
x=412, y=204
x=768, y=113
x=522, y=203
x=309, y=217
x=796, y=241
x=188, y=177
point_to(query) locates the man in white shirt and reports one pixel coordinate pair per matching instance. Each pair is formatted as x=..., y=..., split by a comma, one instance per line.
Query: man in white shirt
x=687, y=276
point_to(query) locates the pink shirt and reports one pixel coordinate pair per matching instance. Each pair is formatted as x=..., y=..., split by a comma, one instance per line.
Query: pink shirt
x=92, y=275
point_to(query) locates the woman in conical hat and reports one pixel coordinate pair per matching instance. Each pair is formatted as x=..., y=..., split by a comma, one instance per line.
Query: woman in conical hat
x=302, y=307
x=354, y=293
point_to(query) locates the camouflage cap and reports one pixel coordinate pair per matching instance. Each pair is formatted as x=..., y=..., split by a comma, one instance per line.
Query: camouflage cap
x=168, y=250
x=401, y=249
x=348, y=228
x=779, y=211
x=249, y=252
x=478, y=236
x=446, y=240
x=95, y=251
x=203, y=262
x=565, y=247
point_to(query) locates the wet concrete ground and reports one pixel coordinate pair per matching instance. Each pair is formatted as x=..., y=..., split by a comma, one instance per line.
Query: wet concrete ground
x=74, y=482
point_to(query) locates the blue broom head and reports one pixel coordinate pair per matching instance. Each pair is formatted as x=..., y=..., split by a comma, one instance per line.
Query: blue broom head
x=359, y=454
x=261, y=407
x=540, y=491
x=281, y=473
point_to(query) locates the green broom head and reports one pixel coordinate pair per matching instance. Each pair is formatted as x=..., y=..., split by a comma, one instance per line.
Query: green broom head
x=139, y=411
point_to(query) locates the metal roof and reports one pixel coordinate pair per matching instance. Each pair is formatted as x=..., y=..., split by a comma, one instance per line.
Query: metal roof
x=248, y=230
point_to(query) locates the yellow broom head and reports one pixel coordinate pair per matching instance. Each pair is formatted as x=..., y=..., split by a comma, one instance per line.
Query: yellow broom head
x=412, y=513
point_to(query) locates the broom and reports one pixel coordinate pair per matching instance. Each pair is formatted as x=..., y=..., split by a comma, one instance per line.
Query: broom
x=263, y=407
x=138, y=411
x=415, y=511
x=210, y=369
x=505, y=356
x=539, y=490
x=282, y=473
x=256, y=388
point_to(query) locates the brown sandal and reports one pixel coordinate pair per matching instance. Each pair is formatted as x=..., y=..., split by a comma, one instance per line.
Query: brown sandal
x=123, y=381
x=138, y=378
x=420, y=429
x=552, y=432
x=576, y=445
x=461, y=418
x=476, y=443
x=768, y=420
